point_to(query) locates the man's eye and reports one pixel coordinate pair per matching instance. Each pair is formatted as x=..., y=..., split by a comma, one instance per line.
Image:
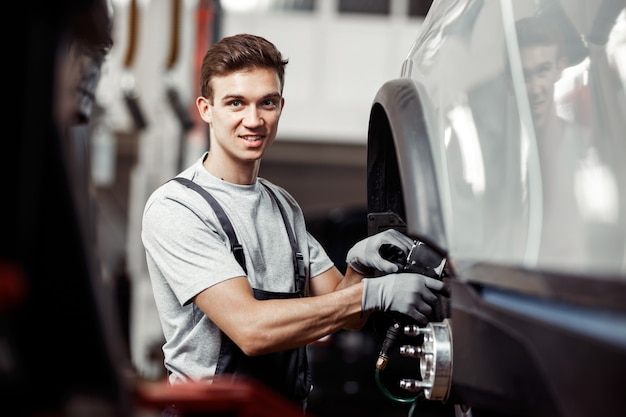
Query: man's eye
x=544, y=70
x=269, y=103
x=235, y=103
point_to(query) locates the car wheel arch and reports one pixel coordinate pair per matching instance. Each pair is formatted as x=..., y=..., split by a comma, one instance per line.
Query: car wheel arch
x=401, y=176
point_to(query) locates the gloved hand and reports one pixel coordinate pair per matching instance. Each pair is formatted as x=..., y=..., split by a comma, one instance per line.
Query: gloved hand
x=406, y=293
x=365, y=257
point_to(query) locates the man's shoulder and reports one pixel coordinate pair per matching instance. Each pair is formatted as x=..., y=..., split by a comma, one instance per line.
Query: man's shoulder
x=278, y=190
x=177, y=193
x=269, y=184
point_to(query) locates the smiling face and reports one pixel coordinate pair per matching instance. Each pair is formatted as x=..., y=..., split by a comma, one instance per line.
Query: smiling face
x=243, y=120
x=542, y=69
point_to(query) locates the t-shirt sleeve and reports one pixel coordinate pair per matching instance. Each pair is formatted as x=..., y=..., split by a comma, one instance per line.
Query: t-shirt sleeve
x=185, y=243
x=319, y=260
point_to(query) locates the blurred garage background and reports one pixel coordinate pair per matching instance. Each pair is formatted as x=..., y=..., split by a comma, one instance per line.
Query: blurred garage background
x=340, y=52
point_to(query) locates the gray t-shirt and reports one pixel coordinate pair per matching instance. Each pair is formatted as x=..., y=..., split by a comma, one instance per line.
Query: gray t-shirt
x=187, y=252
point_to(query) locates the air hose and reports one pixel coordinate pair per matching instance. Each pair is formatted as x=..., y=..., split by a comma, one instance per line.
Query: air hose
x=393, y=397
x=383, y=357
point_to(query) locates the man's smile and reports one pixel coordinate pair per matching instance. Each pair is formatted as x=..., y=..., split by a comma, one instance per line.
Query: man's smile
x=251, y=138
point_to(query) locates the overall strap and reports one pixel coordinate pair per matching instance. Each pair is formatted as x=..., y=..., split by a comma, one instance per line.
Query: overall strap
x=235, y=246
x=298, y=259
x=237, y=249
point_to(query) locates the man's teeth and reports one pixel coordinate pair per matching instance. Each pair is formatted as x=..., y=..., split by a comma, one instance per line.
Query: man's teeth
x=252, y=138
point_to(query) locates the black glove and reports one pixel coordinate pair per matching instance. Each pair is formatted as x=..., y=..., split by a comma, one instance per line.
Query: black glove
x=365, y=256
x=405, y=293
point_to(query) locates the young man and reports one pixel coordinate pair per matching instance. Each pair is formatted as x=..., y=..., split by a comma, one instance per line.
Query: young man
x=543, y=62
x=252, y=310
x=564, y=146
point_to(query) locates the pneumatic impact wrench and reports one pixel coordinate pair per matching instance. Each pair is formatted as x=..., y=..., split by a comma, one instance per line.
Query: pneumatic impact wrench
x=423, y=260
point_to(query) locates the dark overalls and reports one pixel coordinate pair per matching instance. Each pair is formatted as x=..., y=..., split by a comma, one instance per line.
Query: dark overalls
x=286, y=372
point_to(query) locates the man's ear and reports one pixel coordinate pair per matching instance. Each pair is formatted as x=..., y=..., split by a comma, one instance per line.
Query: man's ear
x=204, y=109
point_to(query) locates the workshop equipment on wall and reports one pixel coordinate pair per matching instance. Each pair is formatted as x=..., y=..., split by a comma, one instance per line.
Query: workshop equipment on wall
x=147, y=94
x=128, y=85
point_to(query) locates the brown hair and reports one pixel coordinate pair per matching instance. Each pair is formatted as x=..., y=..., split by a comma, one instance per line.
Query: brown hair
x=534, y=30
x=239, y=52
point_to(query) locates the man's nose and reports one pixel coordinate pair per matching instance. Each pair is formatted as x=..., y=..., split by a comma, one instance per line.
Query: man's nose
x=533, y=85
x=252, y=117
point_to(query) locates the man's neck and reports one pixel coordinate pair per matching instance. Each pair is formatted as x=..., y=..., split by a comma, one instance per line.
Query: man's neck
x=234, y=173
x=550, y=135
